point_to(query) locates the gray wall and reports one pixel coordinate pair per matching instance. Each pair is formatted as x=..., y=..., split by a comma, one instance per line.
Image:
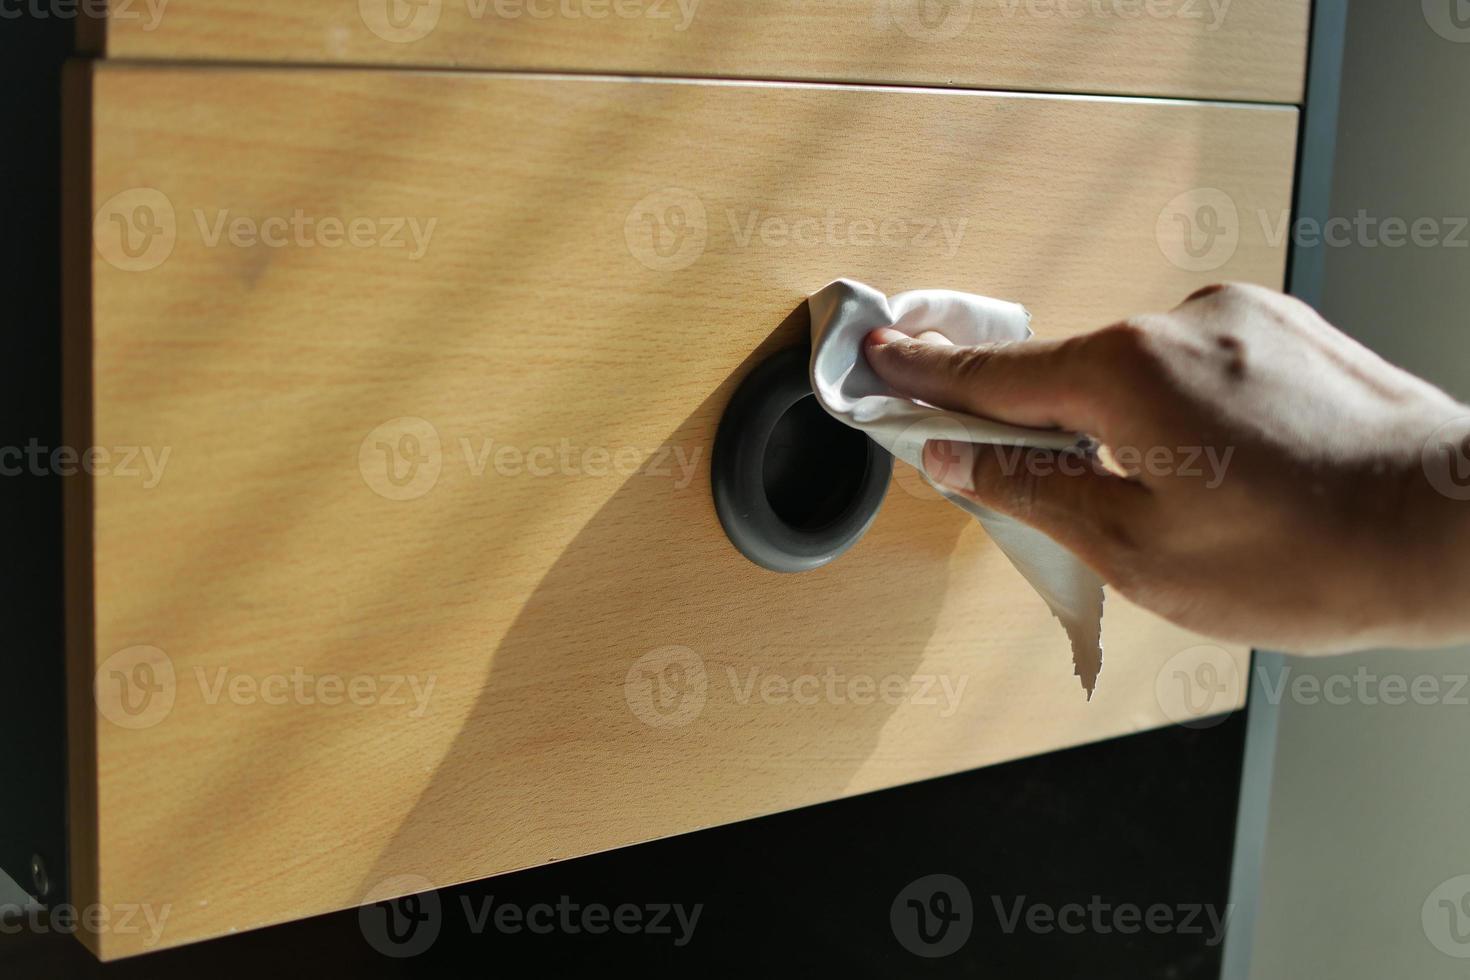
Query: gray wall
x=1369, y=803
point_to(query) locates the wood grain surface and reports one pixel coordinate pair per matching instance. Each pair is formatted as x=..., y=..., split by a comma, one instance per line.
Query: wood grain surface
x=1215, y=49
x=402, y=568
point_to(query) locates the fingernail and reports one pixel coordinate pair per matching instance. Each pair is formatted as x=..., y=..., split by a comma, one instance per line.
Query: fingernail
x=950, y=464
x=885, y=335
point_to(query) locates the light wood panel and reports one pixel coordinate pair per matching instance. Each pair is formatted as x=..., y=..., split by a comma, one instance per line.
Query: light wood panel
x=1218, y=49
x=563, y=365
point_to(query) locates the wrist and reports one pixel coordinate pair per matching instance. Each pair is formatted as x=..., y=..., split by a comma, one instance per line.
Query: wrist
x=1430, y=544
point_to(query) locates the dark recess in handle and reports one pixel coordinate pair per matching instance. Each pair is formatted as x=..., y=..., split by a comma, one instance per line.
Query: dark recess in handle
x=794, y=487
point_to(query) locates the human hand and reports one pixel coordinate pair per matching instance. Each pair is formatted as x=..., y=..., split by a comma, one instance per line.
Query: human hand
x=1257, y=475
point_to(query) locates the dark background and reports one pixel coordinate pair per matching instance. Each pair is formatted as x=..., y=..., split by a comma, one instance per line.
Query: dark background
x=1142, y=820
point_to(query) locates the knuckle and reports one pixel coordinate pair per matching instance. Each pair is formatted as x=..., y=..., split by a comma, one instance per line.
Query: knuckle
x=1116, y=532
x=905, y=360
x=905, y=351
x=1291, y=308
x=1129, y=334
x=1226, y=293
x=1116, y=550
x=1028, y=488
x=971, y=362
x=1242, y=306
x=1102, y=508
x=1009, y=485
x=1122, y=572
x=1214, y=289
x=1122, y=344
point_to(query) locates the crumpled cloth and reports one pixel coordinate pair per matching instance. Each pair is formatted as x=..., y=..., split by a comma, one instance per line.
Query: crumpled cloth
x=842, y=314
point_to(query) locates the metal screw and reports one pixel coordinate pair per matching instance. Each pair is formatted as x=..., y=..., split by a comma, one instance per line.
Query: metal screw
x=39, y=878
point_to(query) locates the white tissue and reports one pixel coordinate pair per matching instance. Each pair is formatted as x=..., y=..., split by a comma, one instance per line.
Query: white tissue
x=843, y=313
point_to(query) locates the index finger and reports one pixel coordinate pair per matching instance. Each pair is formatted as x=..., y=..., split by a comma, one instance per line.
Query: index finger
x=1042, y=384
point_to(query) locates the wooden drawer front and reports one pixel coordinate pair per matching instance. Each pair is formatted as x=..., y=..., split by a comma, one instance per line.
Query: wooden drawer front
x=597, y=263
x=1220, y=49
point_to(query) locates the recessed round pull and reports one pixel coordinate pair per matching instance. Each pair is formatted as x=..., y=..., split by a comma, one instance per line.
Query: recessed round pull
x=793, y=487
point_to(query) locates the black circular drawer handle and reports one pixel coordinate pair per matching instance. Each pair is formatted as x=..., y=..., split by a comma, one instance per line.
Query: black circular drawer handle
x=793, y=487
